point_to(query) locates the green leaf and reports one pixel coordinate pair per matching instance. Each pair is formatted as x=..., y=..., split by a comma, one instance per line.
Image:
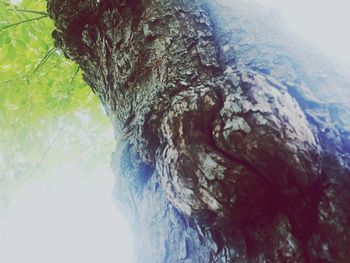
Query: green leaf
x=11, y=52
x=20, y=45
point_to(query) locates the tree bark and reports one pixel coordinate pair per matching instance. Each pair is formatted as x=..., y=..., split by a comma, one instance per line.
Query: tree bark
x=233, y=139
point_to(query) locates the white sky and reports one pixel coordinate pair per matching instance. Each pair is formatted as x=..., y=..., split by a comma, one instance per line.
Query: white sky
x=325, y=23
x=64, y=218
x=65, y=213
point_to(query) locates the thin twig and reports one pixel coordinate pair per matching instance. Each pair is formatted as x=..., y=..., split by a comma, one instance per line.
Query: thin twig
x=39, y=163
x=74, y=76
x=29, y=11
x=23, y=21
x=43, y=60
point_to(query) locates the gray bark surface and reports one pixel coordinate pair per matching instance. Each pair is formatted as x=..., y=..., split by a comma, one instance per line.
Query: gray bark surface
x=233, y=139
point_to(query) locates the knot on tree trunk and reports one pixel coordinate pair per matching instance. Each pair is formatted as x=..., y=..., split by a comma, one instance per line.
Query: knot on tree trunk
x=227, y=153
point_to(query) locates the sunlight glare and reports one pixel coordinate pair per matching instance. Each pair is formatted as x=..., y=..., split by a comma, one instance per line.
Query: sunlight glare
x=16, y=2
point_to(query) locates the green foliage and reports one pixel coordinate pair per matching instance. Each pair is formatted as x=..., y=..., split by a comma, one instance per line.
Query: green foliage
x=42, y=95
x=36, y=80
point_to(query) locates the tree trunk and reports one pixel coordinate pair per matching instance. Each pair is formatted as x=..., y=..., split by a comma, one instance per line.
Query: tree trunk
x=231, y=145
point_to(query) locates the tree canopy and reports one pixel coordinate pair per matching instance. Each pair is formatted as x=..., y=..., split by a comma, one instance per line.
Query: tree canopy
x=43, y=100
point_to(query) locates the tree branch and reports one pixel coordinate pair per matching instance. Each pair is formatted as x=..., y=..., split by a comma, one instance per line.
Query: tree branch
x=43, y=60
x=29, y=11
x=23, y=21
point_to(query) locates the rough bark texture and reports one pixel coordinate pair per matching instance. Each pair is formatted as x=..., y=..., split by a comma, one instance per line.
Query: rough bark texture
x=231, y=147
